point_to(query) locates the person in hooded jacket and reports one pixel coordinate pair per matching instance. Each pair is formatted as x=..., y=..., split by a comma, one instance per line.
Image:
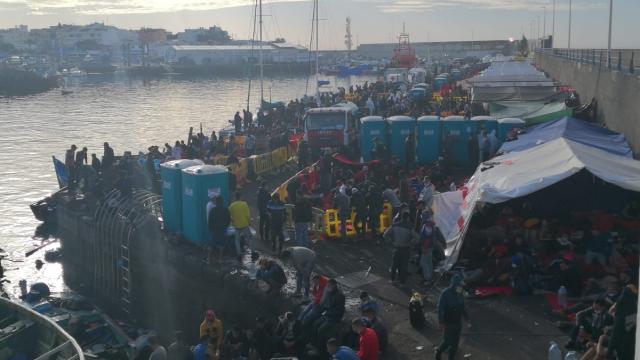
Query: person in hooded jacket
x=402, y=237
x=451, y=310
x=277, y=217
x=263, y=201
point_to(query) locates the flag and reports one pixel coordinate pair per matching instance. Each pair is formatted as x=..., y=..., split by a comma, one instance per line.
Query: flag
x=61, y=172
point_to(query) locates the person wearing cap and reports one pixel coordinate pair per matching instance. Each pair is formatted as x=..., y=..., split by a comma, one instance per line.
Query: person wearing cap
x=211, y=327
x=451, y=310
x=340, y=352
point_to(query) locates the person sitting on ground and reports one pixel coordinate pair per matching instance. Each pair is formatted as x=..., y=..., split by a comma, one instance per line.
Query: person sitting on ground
x=211, y=327
x=236, y=344
x=261, y=344
x=158, y=351
x=312, y=312
x=287, y=334
x=333, y=309
x=369, y=345
x=179, y=350
x=372, y=321
x=367, y=303
x=200, y=350
x=340, y=352
x=590, y=324
x=272, y=273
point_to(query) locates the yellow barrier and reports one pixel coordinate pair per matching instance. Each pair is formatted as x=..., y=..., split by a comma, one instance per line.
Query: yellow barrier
x=220, y=160
x=331, y=223
x=278, y=157
x=262, y=163
x=243, y=169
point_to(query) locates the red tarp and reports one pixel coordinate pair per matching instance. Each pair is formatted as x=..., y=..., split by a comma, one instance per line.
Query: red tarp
x=346, y=161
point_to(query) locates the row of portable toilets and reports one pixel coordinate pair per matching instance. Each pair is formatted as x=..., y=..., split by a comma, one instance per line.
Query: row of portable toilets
x=187, y=186
x=432, y=135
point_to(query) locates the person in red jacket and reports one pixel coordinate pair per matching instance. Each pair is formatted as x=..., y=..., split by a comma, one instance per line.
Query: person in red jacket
x=369, y=345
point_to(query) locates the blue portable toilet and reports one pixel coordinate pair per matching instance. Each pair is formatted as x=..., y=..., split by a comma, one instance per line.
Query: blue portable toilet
x=198, y=184
x=506, y=125
x=399, y=128
x=439, y=81
x=456, y=136
x=371, y=127
x=429, y=132
x=171, y=175
x=489, y=123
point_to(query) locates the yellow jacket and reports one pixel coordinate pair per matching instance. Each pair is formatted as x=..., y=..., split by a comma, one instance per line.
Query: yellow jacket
x=213, y=330
x=240, y=217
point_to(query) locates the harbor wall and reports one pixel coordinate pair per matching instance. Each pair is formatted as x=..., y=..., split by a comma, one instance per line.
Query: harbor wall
x=171, y=286
x=617, y=92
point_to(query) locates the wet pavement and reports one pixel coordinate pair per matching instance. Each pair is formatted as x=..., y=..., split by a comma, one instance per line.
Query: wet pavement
x=503, y=327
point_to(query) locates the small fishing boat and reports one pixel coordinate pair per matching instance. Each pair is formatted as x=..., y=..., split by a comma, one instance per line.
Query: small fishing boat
x=26, y=334
x=66, y=92
x=43, y=209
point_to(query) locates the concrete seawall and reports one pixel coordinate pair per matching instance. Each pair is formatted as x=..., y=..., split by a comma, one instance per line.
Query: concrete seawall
x=617, y=92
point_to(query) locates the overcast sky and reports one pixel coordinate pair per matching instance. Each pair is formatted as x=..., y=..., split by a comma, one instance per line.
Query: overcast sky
x=372, y=20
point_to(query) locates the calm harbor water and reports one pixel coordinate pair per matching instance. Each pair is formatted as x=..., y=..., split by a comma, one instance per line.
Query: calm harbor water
x=131, y=114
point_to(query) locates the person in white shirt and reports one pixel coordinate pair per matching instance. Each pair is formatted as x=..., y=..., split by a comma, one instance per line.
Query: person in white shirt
x=159, y=352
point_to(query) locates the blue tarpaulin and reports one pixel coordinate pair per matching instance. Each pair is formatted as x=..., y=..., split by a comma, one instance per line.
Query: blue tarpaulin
x=61, y=172
x=573, y=129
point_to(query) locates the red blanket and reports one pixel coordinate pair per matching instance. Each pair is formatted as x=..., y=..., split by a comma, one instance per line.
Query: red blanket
x=346, y=161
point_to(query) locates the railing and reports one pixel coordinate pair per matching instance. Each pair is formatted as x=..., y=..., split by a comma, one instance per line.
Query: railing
x=617, y=60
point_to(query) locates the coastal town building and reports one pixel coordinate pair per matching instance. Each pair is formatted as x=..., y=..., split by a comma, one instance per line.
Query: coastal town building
x=437, y=51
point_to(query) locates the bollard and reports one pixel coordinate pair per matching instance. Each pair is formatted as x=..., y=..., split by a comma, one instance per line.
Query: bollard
x=619, y=60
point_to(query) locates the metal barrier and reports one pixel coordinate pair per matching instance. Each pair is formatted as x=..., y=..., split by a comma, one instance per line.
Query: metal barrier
x=619, y=60
x=279, y=157
x=262, y=163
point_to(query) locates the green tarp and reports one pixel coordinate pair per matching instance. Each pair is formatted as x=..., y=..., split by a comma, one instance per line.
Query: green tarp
x=532, y=113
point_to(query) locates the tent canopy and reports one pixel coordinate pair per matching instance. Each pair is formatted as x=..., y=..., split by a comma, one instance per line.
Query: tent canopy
x=573, y=129
x=521, y=173
x=532, y=112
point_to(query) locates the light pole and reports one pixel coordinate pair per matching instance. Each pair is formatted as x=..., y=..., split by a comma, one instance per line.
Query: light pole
x=609, y=41
x=544, y=22
x=553, y=24
x=569, y=39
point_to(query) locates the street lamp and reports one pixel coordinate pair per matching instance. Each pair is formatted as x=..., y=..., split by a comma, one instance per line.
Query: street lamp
x=609, y=41
x=569, y=38
x=553, y=24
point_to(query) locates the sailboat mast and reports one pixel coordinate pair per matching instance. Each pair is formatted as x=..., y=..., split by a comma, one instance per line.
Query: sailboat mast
x=316, y=5
x=261, y=60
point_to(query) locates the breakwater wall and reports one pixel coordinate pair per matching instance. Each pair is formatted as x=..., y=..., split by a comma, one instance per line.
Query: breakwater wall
x=617, y=89
x=116, y=253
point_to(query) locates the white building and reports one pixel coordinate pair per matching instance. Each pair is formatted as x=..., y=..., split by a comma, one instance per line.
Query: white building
x=17, y=36
x=234, y=54
x=70, y=35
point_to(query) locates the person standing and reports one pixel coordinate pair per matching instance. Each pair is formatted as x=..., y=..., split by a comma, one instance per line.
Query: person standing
x=240, y=219
x=303, y=260
x=360, y=206
x=249, y=144
x=81, y=157
x=451, y=310
x=219, y=219
x=70, y=163
x=409, y=152
x=158, y=352
x=95, y=164
x=277, y=216
x=368, y=344
x=263, y=201
x=237, y=123
x=108, y=157
x=427, y=237
x=403, y=238
x=375, y=206
x=302, y=216
x=342, y=203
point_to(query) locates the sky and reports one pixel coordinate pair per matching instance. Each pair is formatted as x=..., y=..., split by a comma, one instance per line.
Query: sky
x=372, y=20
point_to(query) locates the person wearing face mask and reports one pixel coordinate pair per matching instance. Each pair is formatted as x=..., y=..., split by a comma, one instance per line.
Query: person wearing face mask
x=451, y=310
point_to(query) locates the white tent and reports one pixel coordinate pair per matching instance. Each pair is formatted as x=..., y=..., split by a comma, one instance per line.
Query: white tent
x=518, y=174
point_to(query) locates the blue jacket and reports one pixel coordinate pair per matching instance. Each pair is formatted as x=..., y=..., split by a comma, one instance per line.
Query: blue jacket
x=451, y=307
x=345, y=353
